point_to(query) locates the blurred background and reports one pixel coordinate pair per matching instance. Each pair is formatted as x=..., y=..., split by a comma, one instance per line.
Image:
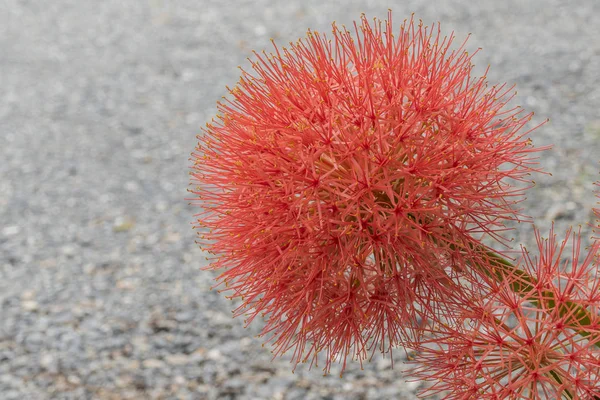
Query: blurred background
x=101, y=293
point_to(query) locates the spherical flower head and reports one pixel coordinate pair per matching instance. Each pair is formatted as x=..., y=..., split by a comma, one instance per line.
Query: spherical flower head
x=511, y=354
x=341, y=175
x=542, y=343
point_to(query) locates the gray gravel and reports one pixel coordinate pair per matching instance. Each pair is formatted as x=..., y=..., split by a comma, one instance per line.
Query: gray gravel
x=101, y=296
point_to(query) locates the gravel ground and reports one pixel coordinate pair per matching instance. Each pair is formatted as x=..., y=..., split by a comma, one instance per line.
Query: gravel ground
x=101, y=296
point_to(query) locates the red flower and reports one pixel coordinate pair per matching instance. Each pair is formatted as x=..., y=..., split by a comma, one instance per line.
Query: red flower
x=597, y=212
x=531, y=346
x=342, y=174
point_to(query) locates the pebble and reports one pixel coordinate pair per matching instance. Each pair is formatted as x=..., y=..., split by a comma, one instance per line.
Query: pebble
x=11, y=230
x=214, y=354
x=177, y=359
x=30, y=305
x=69, y=250
x=153, y=363
x=123, y=224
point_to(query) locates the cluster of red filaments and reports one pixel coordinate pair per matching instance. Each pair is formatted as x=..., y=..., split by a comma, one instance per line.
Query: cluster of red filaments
x=341, y=176
x=541, y=343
